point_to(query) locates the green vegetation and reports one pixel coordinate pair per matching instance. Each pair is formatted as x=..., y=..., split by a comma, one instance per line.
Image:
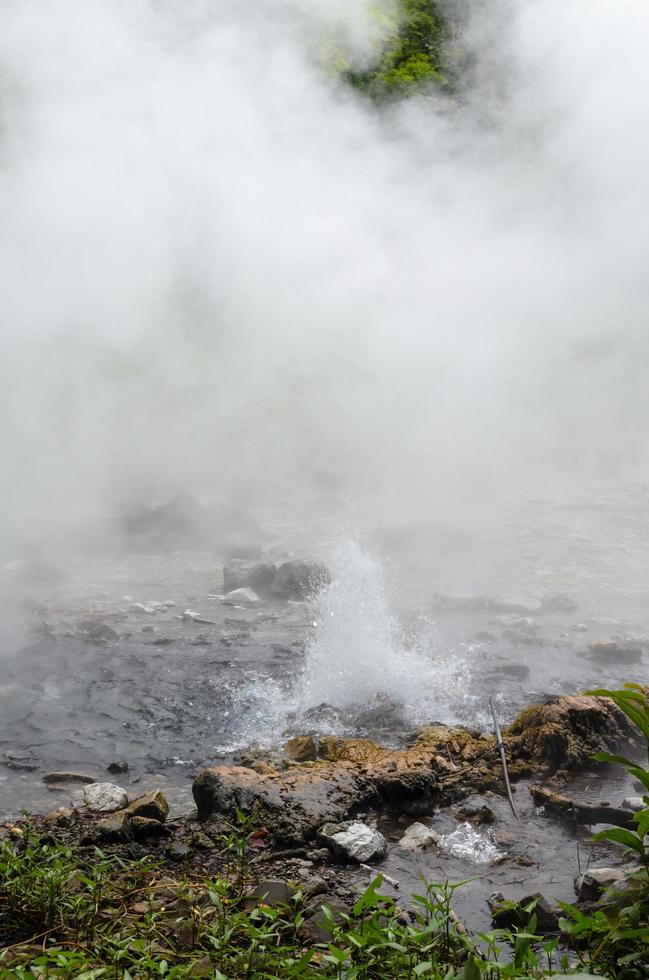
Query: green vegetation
x=414, y=56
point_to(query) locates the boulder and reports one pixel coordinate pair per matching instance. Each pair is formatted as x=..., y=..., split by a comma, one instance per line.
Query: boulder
x=242, y=574
x=591, y=884
x=353, y=840
x=298, y=579
x=292, y=803
x=270, y=891
x=242, y=597
x=634, y=803
x=105, y=797
x=418, y=837
x=152, y=805
x=302, y=748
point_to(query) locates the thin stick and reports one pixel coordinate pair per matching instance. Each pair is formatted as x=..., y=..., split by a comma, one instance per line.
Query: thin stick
x=501, y=749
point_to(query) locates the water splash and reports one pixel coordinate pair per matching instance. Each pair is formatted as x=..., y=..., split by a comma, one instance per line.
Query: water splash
x=469, y=844
x=358, y=654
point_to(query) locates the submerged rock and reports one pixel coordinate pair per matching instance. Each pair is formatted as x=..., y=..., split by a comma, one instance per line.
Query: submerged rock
x=105, y=797
x=67, y=777
x=418, y=837
x=508, y=915
x=353, y=840
x=299, y=579
x=242, y=597
x=242, y=574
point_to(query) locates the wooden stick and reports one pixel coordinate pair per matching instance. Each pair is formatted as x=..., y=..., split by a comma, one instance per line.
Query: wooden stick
x=501, y=749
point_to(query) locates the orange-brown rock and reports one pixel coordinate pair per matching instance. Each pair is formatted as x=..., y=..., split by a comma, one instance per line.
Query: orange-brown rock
x=443, y=765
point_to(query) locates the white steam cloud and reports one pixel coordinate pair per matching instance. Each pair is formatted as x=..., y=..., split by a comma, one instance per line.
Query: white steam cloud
x=221, y=268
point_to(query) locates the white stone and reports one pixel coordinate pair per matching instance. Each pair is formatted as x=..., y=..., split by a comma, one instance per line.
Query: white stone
x=634, y=803
x=105, y=797
x=242, y=597
x=354, y=840
x=590, y=885
x=418, y=837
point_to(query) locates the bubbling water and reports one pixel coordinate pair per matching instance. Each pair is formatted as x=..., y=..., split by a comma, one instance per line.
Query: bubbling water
x=357, y=652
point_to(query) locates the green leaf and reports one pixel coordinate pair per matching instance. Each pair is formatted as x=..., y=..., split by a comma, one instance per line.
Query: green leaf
x=471, y=970
x=621, y=836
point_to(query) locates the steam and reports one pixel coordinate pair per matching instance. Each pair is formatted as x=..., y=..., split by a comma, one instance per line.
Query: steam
x=218, y=262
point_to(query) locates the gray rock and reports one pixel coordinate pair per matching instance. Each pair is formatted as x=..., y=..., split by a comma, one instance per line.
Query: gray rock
x=314, y=885
x=117, y=766
x=115, y=829
x=353, y=840
x=105, y=797
x=418, y=837
x=590, y=885
x=317, y=929
x=242, y=597
x=558, y=602
x=508, y=915
x=270, y=891
x=299, y=579
x=241, y=574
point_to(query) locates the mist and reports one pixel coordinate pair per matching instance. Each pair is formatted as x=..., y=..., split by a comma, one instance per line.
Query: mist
x=224, y=271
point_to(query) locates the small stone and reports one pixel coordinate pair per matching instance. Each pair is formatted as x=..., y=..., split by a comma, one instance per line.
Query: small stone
x=117, y=767
x=299, y=579
x=242, y=597
x=177, y=851
x=20, y=763
x=151, y=805
x=116, y=828
x=61, y=817
x=302, y=748
x=270, y=891
x=105, y=797
x=320, y=855
x=591, y=884
x=317, y=928
x=558, y=602
x=67, y=777
x=418, y=837
x=147, y=827
x=352, y=840
x=314, y=885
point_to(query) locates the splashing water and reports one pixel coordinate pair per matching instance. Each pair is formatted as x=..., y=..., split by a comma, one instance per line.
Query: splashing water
x=357, y=653
x=469, y=844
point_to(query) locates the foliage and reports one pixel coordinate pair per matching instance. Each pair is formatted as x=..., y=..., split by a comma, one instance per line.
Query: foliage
x=414, y=55
x=90, y=916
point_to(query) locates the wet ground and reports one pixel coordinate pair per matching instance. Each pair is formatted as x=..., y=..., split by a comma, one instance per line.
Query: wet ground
x=134, y=656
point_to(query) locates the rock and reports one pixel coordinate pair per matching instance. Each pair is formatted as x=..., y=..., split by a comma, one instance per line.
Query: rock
x=151, y=805
x=117, y=767
x=320, y=855
x=613, y=652
x=257, y=575
x=634, y=803
x=508, y=915
x=477, y=814
x=293, y=804
x=591, y=884
x=270, y=891
x=242, y=597
x=177, y=851
x=96, y=631
x=558, y=602
x=314, y=885
x=143, y=827
x=20, y=763
x=115, y=829
x=61, y=817
x=353, y=840
x=298, y=579
x=67, y=777
x=317, y=929
x=180, y=519
x=302, y=748
x=105, y=797
x=418, y=837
